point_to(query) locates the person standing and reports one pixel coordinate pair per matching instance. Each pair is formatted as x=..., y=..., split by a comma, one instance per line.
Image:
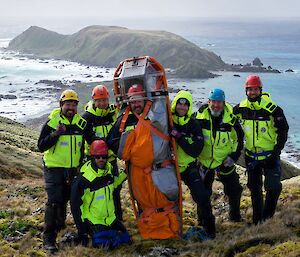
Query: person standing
x=223, y=142
x=61, y=140
x=189, y=138
x=266, y=131
x=101, y=115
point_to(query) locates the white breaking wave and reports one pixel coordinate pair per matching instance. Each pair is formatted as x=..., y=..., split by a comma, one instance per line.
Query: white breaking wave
x=19, y=75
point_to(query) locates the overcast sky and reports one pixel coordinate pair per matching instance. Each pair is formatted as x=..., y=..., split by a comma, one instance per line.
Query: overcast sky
x=150, y=8
x=182, y=17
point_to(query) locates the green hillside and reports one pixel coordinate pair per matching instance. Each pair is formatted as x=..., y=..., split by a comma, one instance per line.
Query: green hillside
x=107, y=46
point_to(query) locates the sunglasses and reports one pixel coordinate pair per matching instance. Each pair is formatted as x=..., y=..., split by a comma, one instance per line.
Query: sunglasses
x=100, y=156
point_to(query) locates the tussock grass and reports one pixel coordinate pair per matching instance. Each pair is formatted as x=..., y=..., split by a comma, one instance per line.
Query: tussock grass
x=22, y=213
x=22, y=202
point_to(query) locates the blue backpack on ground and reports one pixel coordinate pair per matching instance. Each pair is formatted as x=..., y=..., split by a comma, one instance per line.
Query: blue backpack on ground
x=196, y=234
x=110, y=239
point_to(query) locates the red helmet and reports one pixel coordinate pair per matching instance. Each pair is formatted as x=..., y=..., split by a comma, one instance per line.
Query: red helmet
x=136, y=90
x=98, y=147
x=253, y=81
x=100, y=92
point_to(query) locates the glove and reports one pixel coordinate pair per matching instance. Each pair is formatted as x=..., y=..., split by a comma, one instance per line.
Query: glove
x=175, y=133
x=60, y=129
x=228, y=162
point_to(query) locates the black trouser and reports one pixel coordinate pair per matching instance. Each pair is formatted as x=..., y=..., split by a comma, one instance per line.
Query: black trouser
x=117, y=192
x=272, y=172
x=233, y=190
x=58, y=187
x=201, y=196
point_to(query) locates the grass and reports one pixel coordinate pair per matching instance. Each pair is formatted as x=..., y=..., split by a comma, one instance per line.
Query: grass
x=22, y=213
x=22, y=205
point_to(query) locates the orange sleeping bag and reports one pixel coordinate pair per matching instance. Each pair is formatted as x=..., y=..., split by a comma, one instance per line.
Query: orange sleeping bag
x=158, y=218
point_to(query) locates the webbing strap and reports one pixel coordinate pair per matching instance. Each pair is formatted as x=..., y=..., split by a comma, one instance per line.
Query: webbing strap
x=124, y=119
x=148, y=125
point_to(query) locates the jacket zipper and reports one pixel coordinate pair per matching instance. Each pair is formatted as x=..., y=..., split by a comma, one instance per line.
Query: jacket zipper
x=218, y=135
x=212, y=143
x=254, y=129
x=106, y=205
x=268, y=128
x=54, y=148
x=71, y=148
x=92, y=201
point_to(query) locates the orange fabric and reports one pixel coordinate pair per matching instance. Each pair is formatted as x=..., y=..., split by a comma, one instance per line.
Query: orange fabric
x=141, y=119
x=138, y=151
x=159, y=225
x=124, y=119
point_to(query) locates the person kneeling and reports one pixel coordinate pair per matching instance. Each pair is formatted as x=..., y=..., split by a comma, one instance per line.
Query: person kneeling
x=92, y=201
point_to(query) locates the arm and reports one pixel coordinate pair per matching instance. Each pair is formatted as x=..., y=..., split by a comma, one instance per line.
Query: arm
x=240, y=141
x=118, y=180
x=89, y=133
x=48, y=138
x=192, y=144
x=113, y=137
x=236, y=111
x=282, y=126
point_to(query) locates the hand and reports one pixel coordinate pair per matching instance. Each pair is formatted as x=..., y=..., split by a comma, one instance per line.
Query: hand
x=175, y=133
x=229, y=162
x=60, y=129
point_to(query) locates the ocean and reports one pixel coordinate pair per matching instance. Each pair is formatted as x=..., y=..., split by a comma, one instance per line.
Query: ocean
x=18, y=76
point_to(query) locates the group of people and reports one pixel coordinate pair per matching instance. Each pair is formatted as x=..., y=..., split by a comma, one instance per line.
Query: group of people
x=80, y=162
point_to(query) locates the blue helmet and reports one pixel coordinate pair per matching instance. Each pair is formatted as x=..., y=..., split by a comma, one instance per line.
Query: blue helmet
x=216, y=94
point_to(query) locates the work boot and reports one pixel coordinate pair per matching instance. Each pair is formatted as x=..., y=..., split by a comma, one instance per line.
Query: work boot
x=234, y=210
x=199, y=216
x=50, y=246
x=257, y=207
x=210, y=227
x=50, y=233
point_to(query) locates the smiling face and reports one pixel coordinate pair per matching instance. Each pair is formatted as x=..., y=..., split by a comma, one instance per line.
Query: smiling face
x=69, y=108
x=137, y=106
x=216, y=106
x=182, y=109
x=101, y=103
x=253, y=92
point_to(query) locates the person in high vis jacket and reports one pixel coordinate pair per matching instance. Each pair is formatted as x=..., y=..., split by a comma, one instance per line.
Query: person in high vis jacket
x=223, y=142
x=62, y=142
x=266, y=131
x=189, y=139
x=102, y=115
x=92, y=202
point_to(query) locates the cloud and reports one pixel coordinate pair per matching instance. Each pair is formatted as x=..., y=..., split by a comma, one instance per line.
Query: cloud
x=153, y=8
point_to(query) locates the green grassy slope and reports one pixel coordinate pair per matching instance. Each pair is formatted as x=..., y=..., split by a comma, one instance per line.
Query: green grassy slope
x=107, y=46
x=22, y=201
